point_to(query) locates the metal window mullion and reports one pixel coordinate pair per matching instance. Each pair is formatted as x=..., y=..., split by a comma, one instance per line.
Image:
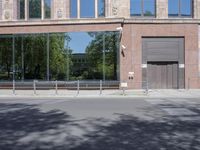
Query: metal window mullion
x=13, y=55
x=68, y=60
x=47, y=56
x=104, y=48
x=142, y=7
x=22, y=55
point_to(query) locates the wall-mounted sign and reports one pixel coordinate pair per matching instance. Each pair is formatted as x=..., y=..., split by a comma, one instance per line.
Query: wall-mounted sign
x=124, y=85
x=181, y=65
x=144, y=65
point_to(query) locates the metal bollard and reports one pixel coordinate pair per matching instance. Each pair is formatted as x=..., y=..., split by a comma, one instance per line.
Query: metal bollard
x=13, y=87
x=56, y=87
x=78, y=87
x=188, y=83
x=100, y=87
x=147, y=88
x=34, y=87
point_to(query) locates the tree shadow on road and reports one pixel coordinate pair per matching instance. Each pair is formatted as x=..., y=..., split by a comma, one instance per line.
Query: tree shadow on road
x=26, y=127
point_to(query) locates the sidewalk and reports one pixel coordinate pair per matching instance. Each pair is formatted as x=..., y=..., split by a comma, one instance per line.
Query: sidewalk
x=105, y=93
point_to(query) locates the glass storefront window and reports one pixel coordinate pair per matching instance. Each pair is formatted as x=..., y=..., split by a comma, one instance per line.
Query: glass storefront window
x=60, y=56
x=34, y=9
x=6, y=63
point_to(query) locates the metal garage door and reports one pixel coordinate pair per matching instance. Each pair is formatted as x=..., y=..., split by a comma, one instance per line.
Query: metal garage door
x=162, y=60
x=162, y=75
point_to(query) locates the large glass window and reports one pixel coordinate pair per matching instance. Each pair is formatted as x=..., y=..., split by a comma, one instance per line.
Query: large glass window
x=47, y=9
x=60, y=56
x=31, y=57
x=20, y=9
x=73, y=8
x=180, y=8
x=6, y=63
x=34, y=9
x=142, y=7
x=87, y=8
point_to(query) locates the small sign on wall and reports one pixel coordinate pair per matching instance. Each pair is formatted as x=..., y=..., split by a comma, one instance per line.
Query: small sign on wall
x=124, y=84
x=181, y=65
x=144, y=65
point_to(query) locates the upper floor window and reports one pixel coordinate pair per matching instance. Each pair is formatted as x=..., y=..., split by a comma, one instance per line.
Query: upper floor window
x=20, y=9
x=47, y=9
x=87, y=8
x=73, y=8
x=34, y=9
x=101, y=8
x=143, y=8
x=180, y=8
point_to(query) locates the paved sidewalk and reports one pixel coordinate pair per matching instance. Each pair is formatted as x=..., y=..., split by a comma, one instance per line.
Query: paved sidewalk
x=105, y=93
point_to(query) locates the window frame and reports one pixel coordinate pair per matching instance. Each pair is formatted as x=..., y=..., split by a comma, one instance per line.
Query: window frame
x=142, y=2
x=179, y=10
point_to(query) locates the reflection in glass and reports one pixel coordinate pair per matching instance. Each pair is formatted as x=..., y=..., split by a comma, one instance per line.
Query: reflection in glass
x=60, y=56
x=87, y=8
x=73, y=8
x=149, y=7
x=6, y=58
x=186, y=8
x=31, y=57
x=142, y=8
x=59, y=59
x=173, y=6
x=34, y=9
x=101, y=8
x=136, y=8
x=20, y=9
x=180, y=8
x=47, y=8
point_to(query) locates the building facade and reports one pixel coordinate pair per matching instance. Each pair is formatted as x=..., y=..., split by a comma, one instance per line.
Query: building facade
x=154, y=43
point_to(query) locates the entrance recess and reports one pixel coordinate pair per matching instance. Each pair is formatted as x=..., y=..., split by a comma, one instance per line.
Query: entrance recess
x=163, y=62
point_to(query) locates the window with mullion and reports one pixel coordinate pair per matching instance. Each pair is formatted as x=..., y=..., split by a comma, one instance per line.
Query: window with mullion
x=180, y=8
x=145, y=8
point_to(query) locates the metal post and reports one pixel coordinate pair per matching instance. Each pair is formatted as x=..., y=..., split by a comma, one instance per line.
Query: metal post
x=188, y=83
x=13, y=57
x=78, y=87
x=13, y=87
x=34, y=87
x=147, y=88
x=123, y=91
x=100, y=87
x=56, y=87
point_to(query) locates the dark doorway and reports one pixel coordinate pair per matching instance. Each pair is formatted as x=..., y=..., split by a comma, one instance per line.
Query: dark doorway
x=162, y=75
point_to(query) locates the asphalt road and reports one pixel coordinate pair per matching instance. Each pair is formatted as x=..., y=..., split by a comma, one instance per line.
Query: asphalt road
x=100, y=124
